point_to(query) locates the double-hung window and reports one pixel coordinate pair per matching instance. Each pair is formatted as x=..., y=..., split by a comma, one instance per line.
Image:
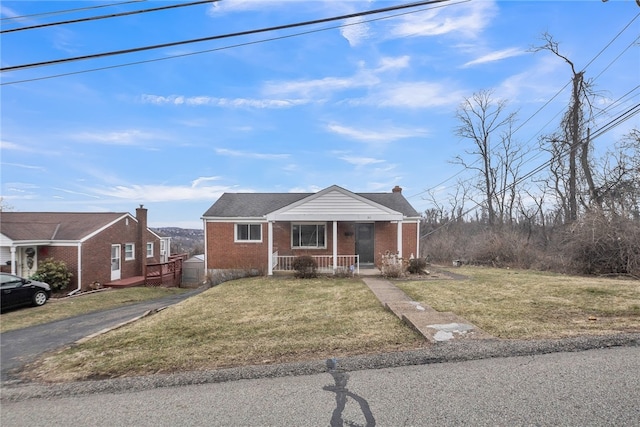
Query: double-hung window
x=308, y=236
x=149, y=249
x=129, y=251
x=248, y=233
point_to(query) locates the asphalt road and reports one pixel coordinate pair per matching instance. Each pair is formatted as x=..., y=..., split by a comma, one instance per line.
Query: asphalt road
x=24, y=345
x=599, y=387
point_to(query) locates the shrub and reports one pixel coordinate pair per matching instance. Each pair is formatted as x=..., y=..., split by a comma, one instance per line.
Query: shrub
x=305, y=267
x=417, y=265
x=53, y=272
x=392, y=265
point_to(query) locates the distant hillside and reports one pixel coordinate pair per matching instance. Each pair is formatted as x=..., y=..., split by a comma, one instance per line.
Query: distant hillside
x=183, y=240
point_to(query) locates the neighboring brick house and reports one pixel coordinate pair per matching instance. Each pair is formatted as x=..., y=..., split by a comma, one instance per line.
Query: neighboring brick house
x=340, y=229
x=100, y=247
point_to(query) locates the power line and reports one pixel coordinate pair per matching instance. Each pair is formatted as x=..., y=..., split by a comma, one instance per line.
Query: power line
x=165, y=58
x=113, y=15
x=611, y=124
x=61, y=12
x=552, y=98
x=223, y=36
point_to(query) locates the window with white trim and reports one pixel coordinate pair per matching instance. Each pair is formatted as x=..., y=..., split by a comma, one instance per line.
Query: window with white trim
x=129, y=251
x=308, y=236
x=248, y=233
x=149, y=249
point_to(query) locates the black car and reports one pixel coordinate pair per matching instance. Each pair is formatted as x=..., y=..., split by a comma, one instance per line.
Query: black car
x=17, y=291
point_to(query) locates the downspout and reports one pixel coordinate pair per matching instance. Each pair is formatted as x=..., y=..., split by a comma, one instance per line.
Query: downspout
x=335, y=246
x=206, y=247
x=270, y=248
x=399, y=243
x=418, y=239
x=79, y=288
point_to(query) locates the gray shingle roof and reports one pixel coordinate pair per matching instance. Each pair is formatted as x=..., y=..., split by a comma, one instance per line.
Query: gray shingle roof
x=257, y=205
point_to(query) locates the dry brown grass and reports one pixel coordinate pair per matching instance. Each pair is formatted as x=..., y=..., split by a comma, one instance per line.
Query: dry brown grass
x=247, y=321
x=528, y=304
x=56, y=309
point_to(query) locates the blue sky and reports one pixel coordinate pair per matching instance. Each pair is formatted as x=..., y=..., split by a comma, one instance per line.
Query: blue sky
x=365, y=106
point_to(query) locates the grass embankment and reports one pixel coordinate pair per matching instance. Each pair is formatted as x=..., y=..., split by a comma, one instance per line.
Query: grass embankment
x=523, y=304
x=247, y=321
x=56, y=309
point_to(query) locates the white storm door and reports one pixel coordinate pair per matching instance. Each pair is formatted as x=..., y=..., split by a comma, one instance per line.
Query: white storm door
x=115, y=262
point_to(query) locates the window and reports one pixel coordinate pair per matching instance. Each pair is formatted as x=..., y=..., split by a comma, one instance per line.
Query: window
x=129, y=251
x=308, y=235
x=248, y=232
x=149, y=249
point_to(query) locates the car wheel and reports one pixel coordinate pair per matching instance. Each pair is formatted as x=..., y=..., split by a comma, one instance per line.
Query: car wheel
x=39, y=298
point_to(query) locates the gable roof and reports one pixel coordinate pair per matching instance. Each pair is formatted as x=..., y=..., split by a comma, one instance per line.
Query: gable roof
x=259, y=205
x=66, y=226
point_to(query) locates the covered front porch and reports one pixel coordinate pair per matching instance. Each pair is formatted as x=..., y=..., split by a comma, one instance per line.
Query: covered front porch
x=327, y=264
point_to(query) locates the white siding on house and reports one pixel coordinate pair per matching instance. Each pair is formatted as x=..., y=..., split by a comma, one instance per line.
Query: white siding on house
x=335, y=205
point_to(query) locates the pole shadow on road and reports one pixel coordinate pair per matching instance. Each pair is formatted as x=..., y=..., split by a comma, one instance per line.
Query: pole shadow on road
x=342, y=393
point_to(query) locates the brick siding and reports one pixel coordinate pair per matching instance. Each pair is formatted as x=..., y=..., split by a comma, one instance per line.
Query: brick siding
x=224, y=253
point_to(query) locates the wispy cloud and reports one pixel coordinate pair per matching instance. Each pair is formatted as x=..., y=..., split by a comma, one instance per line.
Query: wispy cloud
x=77, y=193
x=210, y=101
x=124, y=137
x=468, y=20
x=355, y=31
x=373, y=135
x=161, y=193
x=249, y=154
x=414, y=95
x=196, y=182
x=361, y=161
x=23, y=166
x=496, y=56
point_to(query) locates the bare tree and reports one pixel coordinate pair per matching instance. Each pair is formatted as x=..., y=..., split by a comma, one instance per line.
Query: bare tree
x=574, y=138
x=487, y=123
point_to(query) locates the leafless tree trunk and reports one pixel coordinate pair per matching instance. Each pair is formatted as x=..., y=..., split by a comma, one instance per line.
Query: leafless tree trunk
x=481, y=118
x=574, y=141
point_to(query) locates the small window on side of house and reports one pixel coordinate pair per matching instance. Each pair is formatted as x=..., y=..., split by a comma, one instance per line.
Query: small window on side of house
x=248, y=233
x=129, y=251
x=149, y=249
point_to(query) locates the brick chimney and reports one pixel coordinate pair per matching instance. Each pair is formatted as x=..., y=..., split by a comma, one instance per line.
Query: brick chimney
x=396, y=189
x=141, y=216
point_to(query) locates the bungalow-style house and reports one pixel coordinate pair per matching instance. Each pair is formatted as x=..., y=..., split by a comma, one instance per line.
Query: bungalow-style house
x=105, y=247
x=340, y=229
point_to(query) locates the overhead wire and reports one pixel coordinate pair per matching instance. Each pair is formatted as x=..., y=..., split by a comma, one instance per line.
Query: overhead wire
x=182, y=55
x=613, y=123
x=62, y=12
x=112, y=15
x=432, y=188
x=222, y=36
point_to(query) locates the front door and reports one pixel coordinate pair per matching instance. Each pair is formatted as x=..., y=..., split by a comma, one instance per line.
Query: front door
x=364, y=243
x=115, y=262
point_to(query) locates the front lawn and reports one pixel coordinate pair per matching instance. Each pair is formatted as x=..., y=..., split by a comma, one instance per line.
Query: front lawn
x=524, y=304
x=248, y=321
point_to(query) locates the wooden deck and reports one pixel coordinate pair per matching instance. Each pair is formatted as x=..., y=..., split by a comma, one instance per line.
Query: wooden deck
x=129, y=282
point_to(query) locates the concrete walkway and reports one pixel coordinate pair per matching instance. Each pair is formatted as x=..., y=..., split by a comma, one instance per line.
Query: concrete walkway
x=435, y=326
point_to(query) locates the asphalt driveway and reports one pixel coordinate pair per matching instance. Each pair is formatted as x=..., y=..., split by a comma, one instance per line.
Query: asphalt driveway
x=21, y=346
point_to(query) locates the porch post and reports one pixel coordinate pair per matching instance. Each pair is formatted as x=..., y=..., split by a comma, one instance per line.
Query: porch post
x=13, y=260
x=418, y=239
x=335, y=245
x=270, y=247
x=400, y=239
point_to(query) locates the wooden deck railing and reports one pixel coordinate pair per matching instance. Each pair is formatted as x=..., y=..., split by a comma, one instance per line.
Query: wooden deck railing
x=168, y=274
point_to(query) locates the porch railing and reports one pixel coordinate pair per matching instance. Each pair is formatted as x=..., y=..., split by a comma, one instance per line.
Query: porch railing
x=344, y=263
x=166, y=274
